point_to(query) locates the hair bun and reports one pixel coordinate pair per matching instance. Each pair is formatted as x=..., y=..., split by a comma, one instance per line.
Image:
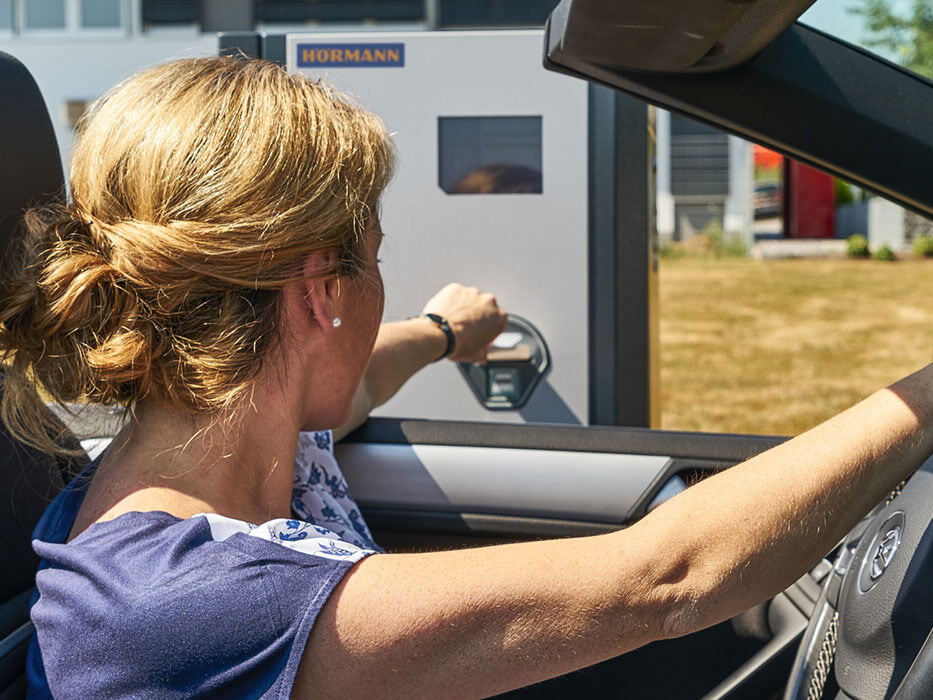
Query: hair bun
x=165, y=277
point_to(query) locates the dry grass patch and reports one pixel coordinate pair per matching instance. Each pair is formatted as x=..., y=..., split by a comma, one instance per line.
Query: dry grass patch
x=775, y=347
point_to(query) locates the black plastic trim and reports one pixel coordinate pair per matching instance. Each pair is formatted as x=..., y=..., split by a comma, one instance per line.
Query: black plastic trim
x=767, y=669
x=809, y=96
x=15, y=633
x=724, y=448
x=674, y=468
x=619, y=259
x=681, y=36
x=245, y=44
x=274, y=49
x=270, y=47
x=919, y=678
x=479, y=524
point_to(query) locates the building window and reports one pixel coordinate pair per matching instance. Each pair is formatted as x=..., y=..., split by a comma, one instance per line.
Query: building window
x=494, y=13
x=101, y=14
x=45, y=14
x=6, y=15
x=64, y=15
x=301, y=11
x=161, y=13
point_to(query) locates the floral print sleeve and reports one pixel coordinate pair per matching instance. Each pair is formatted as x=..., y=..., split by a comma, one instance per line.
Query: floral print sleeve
x=320, y=495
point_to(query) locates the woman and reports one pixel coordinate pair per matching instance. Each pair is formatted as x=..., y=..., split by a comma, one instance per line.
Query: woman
x=223, y=222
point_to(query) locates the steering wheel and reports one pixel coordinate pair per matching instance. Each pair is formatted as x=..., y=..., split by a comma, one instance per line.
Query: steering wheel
x=875, y=612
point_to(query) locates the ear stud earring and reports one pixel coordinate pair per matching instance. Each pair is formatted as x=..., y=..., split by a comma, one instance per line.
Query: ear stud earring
x=337, y=322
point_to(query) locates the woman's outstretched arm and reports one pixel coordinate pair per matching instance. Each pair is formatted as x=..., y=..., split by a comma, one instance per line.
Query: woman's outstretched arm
x=476, y=622
x=404, y=347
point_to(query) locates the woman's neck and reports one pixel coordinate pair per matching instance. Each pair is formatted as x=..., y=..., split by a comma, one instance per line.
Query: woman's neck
x=240, y=464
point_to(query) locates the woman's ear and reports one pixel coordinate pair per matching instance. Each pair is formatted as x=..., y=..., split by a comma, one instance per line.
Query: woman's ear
x=321, y=287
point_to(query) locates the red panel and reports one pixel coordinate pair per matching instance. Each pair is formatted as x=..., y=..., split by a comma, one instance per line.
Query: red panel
x=810, y=202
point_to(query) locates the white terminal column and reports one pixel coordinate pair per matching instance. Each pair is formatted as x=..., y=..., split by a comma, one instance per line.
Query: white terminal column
x=491, y=191
x=666, y=222
x=738, y=219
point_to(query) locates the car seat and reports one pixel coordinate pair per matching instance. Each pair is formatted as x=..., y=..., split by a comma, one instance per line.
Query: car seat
x=30, y=174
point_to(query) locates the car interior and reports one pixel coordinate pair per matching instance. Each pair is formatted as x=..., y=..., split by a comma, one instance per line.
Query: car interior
x=441, y=484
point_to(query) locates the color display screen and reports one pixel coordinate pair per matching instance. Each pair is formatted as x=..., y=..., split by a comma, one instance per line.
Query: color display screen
x=489, y=155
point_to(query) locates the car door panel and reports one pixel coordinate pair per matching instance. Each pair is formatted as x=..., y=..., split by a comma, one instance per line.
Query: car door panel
x=439, y=484
x=485, y=480
x=556, y=484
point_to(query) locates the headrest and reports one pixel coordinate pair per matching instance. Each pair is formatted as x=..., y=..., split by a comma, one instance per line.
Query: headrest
x=30, y=173
x=30, y=164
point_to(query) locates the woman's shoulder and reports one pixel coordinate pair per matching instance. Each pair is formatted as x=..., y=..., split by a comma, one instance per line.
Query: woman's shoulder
x=147, y=588
x=160, y=544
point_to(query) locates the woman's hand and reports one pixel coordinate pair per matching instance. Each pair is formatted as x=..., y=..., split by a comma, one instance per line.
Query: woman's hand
x=404, y=347
x=474, y=317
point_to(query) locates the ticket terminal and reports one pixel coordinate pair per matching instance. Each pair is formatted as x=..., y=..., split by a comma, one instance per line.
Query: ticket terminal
x=492, y=190
x=518, y=360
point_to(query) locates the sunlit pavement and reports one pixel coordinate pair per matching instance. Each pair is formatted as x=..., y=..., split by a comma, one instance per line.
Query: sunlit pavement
x=768, y=228
x=799, y=248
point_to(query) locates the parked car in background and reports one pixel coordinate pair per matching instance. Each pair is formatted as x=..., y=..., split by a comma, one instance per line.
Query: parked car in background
x=767, y=199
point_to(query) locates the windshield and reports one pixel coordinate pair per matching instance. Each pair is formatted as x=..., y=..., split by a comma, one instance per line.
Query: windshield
x=898, y=30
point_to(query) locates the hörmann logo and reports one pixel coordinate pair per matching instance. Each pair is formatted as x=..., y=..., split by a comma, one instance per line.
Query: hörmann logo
x=351, y=55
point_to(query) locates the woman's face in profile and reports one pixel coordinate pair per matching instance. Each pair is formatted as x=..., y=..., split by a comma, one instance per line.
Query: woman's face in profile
x=349, y=345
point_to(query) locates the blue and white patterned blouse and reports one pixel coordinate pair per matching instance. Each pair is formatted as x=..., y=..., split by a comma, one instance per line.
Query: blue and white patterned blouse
x=148, y=605
x=320, y=495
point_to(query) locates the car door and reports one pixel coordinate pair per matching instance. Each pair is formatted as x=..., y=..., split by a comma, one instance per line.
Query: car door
x=438, y=484
x=433, y=484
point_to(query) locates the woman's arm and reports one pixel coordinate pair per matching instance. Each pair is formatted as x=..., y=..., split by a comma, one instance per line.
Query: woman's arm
x=404, y=347
x=471, y=623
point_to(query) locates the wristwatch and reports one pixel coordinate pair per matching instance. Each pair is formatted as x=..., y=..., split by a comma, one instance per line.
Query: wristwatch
x=444, y=326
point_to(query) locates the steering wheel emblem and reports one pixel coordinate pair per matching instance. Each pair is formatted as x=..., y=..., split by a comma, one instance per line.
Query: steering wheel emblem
x=884, y=552
x=881, y=552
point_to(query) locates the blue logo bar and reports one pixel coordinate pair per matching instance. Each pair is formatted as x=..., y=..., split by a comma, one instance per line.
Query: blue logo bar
x=351, y=55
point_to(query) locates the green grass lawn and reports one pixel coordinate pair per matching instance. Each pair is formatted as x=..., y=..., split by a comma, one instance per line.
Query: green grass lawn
x=775, y=347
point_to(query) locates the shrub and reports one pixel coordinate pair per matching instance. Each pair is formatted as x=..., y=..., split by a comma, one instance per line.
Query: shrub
x=670, y=251
x=923, y=246
x=843, y=193
x=884, y=253
x=857, y=246
x=710, y=242
x=715, y=233
x=723, y=245
x=734, y=247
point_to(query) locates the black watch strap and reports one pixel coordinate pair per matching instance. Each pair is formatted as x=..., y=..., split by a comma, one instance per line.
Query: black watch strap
x=444, y=326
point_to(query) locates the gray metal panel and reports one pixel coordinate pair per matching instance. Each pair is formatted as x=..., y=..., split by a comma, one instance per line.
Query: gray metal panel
x=273, y=48
x=239, y=43
x=543, y=483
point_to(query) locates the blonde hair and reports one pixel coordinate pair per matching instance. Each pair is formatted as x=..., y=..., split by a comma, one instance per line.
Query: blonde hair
x=198, y=188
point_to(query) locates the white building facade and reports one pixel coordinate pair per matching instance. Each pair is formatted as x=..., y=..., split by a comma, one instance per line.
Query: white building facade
x=77, y=49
